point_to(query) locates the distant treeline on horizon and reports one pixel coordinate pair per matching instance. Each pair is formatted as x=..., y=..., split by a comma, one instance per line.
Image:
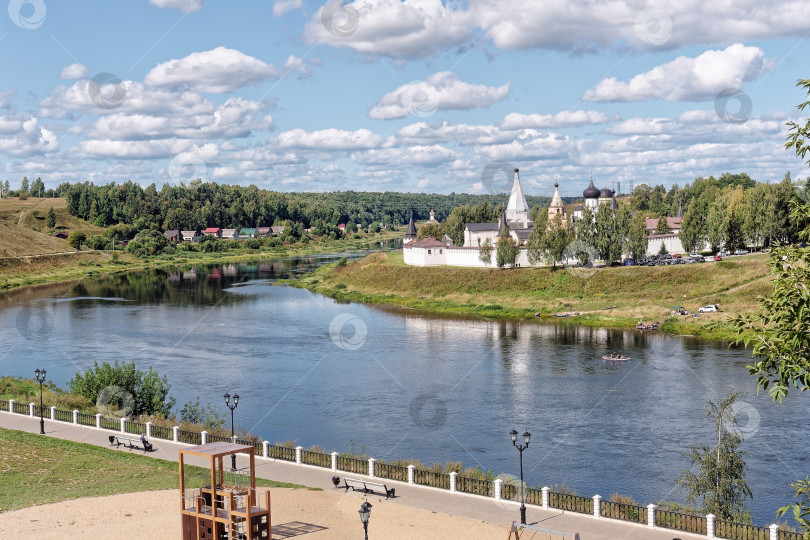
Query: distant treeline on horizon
x=202, y=204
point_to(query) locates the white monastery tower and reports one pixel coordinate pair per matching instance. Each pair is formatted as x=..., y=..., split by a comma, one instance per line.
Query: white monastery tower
x=517, y=210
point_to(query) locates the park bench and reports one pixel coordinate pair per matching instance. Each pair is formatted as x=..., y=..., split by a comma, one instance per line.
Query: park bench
x=365, y=486
x=129, y=442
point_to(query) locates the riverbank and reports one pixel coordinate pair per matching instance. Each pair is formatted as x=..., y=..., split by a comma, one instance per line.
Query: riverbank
x=608, y=298
x=19, y=272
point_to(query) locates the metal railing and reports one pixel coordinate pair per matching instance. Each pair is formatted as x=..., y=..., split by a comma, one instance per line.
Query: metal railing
x=281, y=452
x=348, y=464
x=623, y=511
x=316, y=458
x=62, y=416
x=476, y=486
x=430, y=478
x=209, y=438
x=189, y=437
x=21, y=408
x=572, y=503
x=740, y=531
x=790, y=535
x=90, y=420
x=680, y=522
x=3, y=405
x=106, y=423
x=534, y=496
x=135, y=428
x=394, y=472
x=160, y=432
x=258, y=448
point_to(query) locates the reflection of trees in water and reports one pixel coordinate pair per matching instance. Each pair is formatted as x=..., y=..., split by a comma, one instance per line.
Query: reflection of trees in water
x=193, y=286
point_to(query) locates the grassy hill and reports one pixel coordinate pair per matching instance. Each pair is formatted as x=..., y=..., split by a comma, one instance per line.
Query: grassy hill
x=24, y=230
x=646, y=293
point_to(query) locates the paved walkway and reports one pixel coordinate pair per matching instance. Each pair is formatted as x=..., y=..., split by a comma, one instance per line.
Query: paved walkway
x=431, y=499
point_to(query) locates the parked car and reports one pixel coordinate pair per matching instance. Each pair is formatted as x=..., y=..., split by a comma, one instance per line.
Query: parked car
x=628, y=262
x=741, y=252
x=711, y=308
x=697, y=258
x=676, y=256
x=723, y=253
x=718, y=258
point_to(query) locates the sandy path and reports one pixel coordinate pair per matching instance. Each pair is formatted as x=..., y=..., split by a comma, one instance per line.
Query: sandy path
x=156, y=515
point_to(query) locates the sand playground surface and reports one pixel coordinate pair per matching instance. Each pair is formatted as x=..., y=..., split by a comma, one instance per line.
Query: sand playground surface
x=156, y=515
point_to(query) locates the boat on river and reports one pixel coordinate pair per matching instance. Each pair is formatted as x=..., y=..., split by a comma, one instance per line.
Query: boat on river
x=616, y=357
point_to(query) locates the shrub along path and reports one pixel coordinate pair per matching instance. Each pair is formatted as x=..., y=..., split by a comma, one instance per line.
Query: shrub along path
x=432, y=499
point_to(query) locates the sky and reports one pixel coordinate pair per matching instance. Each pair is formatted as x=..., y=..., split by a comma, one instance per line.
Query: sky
x=400, y=95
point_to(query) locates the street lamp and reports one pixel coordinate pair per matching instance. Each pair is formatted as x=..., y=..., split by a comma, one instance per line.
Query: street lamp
x=40, y=375
x=521, y=447
x=232, y=407
x=365, y=512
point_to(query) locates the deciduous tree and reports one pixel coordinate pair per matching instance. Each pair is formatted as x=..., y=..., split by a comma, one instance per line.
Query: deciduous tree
x=507, y=250
x=720, y=482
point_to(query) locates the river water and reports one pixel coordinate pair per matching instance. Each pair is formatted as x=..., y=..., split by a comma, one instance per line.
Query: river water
x=395, y=383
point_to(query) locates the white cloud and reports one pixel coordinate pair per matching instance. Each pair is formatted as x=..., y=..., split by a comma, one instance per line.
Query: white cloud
x=235, y=118
x=329, y=139
x=64, y=102
x=420, y=28
x=414, y=155
x=592, y=24
x=531, y=145
x=158, y=148
x=559, y=120
x=440, y=91
x=186, y=6
x=282, y=7
x=399, y=29
x=215, y=71
x=73, y=71
x=424, y=133
x=27, y=138
x=688, y=79
x=294, y=63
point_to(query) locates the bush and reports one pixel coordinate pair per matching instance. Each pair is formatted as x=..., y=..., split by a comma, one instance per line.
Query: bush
x=253, y=243
x=342, y=261
x=103, y=385
x=147, y=242
x=98, y=242
x=272, y=242
x=207, y=416
x=76, y=239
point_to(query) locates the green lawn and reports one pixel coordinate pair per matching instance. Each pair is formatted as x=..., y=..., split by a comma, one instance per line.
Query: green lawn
x=38, y=469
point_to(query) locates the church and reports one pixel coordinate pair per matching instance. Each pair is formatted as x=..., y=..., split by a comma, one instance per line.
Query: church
x=514, y=220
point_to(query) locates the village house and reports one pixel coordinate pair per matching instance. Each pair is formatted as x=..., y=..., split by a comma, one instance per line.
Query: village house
x=230, y=233
x=213, y=231
x=190, y=236
x=173, y=235
x=248, y=232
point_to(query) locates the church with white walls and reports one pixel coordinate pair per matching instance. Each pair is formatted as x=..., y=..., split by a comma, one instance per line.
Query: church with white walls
x=514, y=220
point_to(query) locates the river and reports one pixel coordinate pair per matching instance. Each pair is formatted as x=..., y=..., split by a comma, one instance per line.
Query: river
x=395, y=383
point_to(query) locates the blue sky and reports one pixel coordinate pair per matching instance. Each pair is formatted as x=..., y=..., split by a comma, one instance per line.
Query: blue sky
x=414, y=95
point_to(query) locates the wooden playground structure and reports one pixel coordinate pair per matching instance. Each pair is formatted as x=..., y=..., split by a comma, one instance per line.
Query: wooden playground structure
x=225, y=509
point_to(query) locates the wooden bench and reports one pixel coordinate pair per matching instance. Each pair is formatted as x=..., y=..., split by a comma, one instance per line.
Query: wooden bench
x=366, y=486
x=129, y=442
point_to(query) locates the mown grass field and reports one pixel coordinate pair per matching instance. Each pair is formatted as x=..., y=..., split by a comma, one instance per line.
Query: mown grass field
x=647, y=293
x=38, y=469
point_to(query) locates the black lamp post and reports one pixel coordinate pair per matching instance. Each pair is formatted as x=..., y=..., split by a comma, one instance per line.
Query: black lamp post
x=40, y=375
x=521, y=447
x=365, y=512
x=232, y=407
